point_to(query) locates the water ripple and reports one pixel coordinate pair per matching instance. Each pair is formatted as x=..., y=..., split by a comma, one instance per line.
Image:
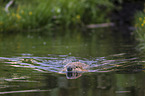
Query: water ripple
x=54, y=63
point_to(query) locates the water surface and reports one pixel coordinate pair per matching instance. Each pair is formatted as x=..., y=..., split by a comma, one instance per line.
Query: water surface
x=30, y=64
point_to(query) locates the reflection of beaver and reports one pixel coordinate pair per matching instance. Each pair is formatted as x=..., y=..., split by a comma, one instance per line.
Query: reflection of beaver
x=75, y=67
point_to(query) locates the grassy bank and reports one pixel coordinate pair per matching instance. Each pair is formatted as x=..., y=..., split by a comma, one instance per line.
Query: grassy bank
x=140, y=28
x=44, y=14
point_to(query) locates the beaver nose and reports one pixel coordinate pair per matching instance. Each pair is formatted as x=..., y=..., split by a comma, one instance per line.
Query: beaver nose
x=69, y=69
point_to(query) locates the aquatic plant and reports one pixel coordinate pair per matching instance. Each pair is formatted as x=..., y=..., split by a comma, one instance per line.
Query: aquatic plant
x=39, y=14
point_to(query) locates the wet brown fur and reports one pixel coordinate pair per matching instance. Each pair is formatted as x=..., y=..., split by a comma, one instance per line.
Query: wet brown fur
x=76, y=66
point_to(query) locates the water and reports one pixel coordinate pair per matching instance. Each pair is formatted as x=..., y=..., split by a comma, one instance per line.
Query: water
x=30, y=64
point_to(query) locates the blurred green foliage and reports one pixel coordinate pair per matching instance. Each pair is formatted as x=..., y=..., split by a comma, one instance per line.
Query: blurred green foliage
x=140, y=28
x=45, y=14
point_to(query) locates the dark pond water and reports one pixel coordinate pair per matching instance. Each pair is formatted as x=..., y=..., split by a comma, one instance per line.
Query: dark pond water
x=30, y=64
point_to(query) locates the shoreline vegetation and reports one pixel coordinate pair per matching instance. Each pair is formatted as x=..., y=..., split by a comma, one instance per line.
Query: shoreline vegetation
x=140, y=28
x=26, y=15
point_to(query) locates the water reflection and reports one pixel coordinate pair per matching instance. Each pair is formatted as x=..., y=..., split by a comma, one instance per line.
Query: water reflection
x=73, y=75
x=94, y=84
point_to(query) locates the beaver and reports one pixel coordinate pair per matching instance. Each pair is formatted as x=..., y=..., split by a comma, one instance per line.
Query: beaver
x=75, y=67
x=74, y=70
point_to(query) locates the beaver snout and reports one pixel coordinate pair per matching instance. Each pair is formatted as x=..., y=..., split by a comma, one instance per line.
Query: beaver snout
x=69, y=69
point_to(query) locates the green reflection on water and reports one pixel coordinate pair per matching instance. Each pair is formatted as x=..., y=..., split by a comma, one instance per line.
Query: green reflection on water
x=93, y=43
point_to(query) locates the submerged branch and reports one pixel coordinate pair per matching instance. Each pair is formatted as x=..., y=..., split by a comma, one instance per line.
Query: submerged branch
x=100, y=25
x=8, y=5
